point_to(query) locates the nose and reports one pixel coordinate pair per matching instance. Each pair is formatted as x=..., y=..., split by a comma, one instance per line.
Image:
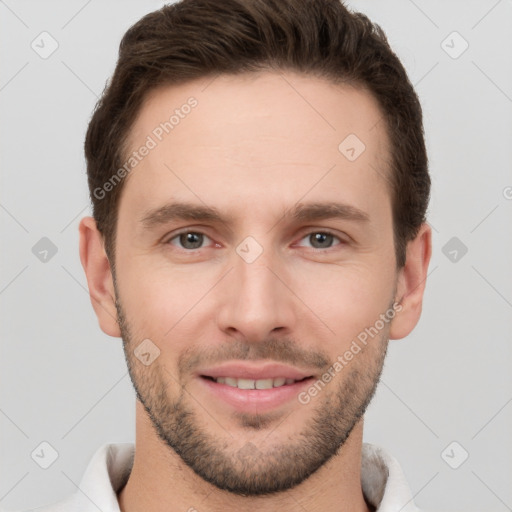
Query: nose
x=255, y=302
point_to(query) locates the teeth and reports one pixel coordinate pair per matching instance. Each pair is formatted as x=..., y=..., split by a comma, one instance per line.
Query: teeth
x=264, y=384
x=246, y=384
x=254, y=384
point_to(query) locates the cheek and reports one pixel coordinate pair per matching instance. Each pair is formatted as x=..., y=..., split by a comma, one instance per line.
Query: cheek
x=163, y=302
x=347, y=298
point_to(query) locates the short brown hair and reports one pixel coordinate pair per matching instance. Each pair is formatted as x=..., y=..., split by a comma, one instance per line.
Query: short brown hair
x=197, y=38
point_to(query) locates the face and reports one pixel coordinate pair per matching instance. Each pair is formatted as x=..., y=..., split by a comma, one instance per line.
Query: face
x=253, y=254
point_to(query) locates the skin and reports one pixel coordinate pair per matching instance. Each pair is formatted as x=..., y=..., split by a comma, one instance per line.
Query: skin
x=253, y=148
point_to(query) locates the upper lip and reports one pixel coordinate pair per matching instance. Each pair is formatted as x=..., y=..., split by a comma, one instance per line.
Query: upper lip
x=254, y=371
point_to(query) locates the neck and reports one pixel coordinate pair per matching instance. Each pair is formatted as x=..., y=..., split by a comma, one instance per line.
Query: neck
x=160, y=481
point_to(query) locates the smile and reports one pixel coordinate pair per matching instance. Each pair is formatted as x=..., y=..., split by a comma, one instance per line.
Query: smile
x=254, y=384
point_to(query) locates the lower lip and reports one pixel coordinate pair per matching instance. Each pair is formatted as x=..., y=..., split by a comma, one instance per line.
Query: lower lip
x=255, y=400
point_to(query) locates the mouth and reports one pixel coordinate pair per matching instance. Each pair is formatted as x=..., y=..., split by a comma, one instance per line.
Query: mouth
x=253, y=388
x=241, y=383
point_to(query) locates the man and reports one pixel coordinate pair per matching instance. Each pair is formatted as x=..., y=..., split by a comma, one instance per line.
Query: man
x=259, y=183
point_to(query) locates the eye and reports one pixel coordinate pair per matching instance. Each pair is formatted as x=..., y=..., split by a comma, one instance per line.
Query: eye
x=188, y=240
x=321, y=239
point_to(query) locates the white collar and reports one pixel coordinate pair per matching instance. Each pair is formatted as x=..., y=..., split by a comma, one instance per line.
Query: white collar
x=383, y=481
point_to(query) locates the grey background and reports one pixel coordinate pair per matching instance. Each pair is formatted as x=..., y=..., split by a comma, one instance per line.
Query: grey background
x=64, y=382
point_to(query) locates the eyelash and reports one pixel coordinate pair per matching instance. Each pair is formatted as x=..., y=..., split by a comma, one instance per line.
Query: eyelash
x=317, y=231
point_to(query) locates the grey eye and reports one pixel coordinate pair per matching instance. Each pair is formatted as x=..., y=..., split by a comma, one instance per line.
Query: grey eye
x=321, y=240
x=189, y=240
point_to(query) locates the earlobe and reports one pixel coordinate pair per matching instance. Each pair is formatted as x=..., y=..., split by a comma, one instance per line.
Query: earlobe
x=411, y=283
x=99, y=276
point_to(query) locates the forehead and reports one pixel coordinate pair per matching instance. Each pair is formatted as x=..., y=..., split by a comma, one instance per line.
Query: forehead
x=258, y=139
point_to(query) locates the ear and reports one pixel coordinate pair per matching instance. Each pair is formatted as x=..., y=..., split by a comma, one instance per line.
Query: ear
x=411, y=283
x=99, y=276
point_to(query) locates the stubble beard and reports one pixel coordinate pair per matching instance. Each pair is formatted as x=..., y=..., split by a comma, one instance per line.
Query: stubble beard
x=253, y=470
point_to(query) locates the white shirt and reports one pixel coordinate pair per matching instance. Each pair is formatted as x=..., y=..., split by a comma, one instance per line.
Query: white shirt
x=382, y=480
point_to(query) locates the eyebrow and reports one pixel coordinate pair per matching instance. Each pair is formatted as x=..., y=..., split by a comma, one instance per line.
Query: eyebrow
x=303, y=212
